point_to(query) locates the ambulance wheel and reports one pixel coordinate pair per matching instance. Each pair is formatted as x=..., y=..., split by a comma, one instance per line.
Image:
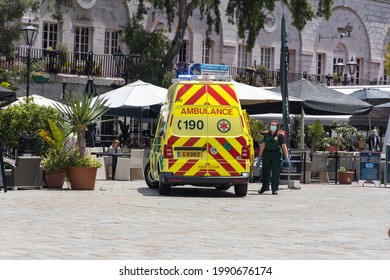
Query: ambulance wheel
x=153, y=184
x=241, y=190
x=222, y=188
x=164, y=189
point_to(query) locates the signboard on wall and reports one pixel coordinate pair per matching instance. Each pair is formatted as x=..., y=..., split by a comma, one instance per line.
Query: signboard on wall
x=370, y=169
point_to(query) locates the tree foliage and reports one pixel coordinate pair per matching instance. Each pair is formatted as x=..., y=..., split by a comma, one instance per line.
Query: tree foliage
x=80, y=112
x=317, y=134
x=257, y=128
x=153, y=47
x=57, y=7
x=23, y=120
x=387, y=59
x=10, y=11
x=247, y=15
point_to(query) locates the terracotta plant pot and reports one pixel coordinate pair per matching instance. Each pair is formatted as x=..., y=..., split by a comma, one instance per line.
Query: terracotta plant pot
x=82, y=178
x=55, y=179
x=346, y=177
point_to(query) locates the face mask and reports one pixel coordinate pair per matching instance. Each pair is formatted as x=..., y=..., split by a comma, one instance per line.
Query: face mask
x=272, y=128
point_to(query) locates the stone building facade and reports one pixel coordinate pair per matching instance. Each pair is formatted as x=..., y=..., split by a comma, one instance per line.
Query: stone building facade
x=96, y=25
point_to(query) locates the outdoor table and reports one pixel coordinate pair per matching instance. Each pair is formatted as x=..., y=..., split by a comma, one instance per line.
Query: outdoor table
x=114, y=158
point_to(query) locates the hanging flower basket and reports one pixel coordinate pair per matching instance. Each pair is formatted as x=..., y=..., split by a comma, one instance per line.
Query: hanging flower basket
x=40, y=77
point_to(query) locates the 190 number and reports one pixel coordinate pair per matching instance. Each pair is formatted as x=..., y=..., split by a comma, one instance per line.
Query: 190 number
x=190, y=124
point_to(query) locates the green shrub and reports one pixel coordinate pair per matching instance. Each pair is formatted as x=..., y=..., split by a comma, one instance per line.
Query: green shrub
x=25, y=120
x=75, y=159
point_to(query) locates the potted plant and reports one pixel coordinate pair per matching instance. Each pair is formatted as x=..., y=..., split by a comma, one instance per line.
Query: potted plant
x=317, y=133
x=40, y=77
x=55, y=160
x=345, y=176
x=81, y=112
x=336, y=79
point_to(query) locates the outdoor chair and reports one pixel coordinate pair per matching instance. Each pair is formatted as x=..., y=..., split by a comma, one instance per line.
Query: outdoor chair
x=137, y=164
x=25, y=172
x=102, y=172
x=96, y=150
x=320, y=166
x=122, y=171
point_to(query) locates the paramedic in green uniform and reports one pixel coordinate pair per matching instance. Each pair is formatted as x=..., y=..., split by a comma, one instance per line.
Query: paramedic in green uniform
x=271, y=155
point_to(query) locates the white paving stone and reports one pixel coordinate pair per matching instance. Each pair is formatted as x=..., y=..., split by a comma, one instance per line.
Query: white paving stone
x=127, y=220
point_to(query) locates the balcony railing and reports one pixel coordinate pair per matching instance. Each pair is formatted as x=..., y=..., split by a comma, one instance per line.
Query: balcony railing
x=103, y=65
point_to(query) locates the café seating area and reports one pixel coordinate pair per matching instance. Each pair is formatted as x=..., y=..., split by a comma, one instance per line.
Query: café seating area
x=121, y=164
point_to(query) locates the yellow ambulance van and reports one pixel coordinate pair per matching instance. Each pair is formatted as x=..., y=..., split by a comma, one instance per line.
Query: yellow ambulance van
x=202, y=138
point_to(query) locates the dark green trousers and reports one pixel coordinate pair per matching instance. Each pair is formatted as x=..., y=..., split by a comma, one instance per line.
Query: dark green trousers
x=271, y=163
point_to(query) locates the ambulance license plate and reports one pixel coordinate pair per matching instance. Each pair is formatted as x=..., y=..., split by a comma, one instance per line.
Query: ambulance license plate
x=193, y=154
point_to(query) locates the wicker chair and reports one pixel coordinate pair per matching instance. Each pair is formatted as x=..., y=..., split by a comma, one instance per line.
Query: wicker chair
x=26, y=172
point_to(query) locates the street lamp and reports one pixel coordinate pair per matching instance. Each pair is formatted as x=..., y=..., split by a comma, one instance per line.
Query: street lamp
x=119, y=58
x=339, y=68
x=29, y=34
x=351, y=66
x=135, y=61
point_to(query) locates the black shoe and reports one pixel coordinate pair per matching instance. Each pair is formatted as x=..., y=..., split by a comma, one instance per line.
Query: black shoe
x=262, y=191
x=274, y=193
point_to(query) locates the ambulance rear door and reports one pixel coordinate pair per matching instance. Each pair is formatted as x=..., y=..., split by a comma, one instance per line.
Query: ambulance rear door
x=207, y=138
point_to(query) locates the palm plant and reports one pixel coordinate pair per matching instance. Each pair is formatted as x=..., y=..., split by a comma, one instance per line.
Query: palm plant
x=81, y=112
x=56, y=157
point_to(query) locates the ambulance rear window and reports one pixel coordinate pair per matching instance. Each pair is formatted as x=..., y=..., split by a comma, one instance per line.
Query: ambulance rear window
x=218, y=121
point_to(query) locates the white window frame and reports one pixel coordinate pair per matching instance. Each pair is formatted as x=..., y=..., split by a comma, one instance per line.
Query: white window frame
x=242, y=56
x=82, y=41
x=205, y=53
x=50, y=36
x=266, y=58
x=112, y=41
x=320, y=66
x=183, y=52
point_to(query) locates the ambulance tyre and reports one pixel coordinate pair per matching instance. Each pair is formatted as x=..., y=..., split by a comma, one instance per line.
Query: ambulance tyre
x=164, y=189
x=241, y=190
x=153, y=184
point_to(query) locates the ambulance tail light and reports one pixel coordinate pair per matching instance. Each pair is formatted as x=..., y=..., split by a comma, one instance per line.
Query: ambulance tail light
x=168, y=151
x=245, y=153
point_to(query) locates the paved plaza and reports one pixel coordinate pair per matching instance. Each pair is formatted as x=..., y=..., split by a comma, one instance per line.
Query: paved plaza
x=127, y=220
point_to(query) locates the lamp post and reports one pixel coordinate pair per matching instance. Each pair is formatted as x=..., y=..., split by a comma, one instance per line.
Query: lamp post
x=339, y=68
x=135, y=59
x=29, y=34
x=119, y=58
x=351, y=66
x=328, y=78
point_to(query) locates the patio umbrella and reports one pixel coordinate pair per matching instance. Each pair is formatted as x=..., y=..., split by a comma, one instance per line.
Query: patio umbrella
x=129, y=100
x=383, y=106
x=137, y=94
x=315, y=99
x=374, y=97
x=253, y=95
x=39, y=100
